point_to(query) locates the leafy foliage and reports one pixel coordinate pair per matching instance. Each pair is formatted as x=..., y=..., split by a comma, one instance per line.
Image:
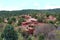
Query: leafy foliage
x=29, y=38
x=20, y=21
x=9, y=33
x=29, y=11
x=1, y=20
x=11, y=20
x=40, y=19
x=41, y=37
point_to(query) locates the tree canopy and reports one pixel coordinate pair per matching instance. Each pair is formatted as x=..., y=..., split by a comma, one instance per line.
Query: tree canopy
x=9, y=33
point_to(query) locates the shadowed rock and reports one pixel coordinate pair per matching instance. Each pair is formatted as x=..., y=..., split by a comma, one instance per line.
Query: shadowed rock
x=44, y=28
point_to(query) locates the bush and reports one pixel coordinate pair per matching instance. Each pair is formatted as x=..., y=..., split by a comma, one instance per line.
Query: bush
x=10, y=21
x=9, y=33
x=29, y=38
x=41, y=37
x=1, y=20
x=20, y=21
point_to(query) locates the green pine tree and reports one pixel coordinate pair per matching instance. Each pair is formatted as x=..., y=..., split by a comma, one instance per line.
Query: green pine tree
x=9, y=33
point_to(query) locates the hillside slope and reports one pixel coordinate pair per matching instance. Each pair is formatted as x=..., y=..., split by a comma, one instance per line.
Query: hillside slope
x=28, y=11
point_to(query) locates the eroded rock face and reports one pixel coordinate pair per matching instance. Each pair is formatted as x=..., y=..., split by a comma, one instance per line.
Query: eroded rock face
x=46, y=28
x=52, y=35
x=58, y=28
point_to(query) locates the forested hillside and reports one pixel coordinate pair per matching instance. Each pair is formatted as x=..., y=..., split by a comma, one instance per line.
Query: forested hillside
x=28, y=11
x=34, y=25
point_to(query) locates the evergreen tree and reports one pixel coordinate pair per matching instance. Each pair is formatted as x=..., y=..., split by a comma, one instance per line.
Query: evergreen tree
x=9, y=33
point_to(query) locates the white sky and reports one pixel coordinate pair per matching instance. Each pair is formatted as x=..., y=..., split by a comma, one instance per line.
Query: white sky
x=28, y=4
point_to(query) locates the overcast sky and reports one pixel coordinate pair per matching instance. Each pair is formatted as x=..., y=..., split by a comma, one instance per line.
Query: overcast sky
x=28, y=4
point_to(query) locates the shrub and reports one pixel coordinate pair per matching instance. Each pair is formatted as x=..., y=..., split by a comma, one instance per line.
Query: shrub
x=20, y=21
x=41, y=37
x=29, y=38
x=9, y=33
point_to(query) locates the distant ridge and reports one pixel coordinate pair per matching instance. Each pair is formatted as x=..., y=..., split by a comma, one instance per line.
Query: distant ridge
x=5, y=13
x=33, y=9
